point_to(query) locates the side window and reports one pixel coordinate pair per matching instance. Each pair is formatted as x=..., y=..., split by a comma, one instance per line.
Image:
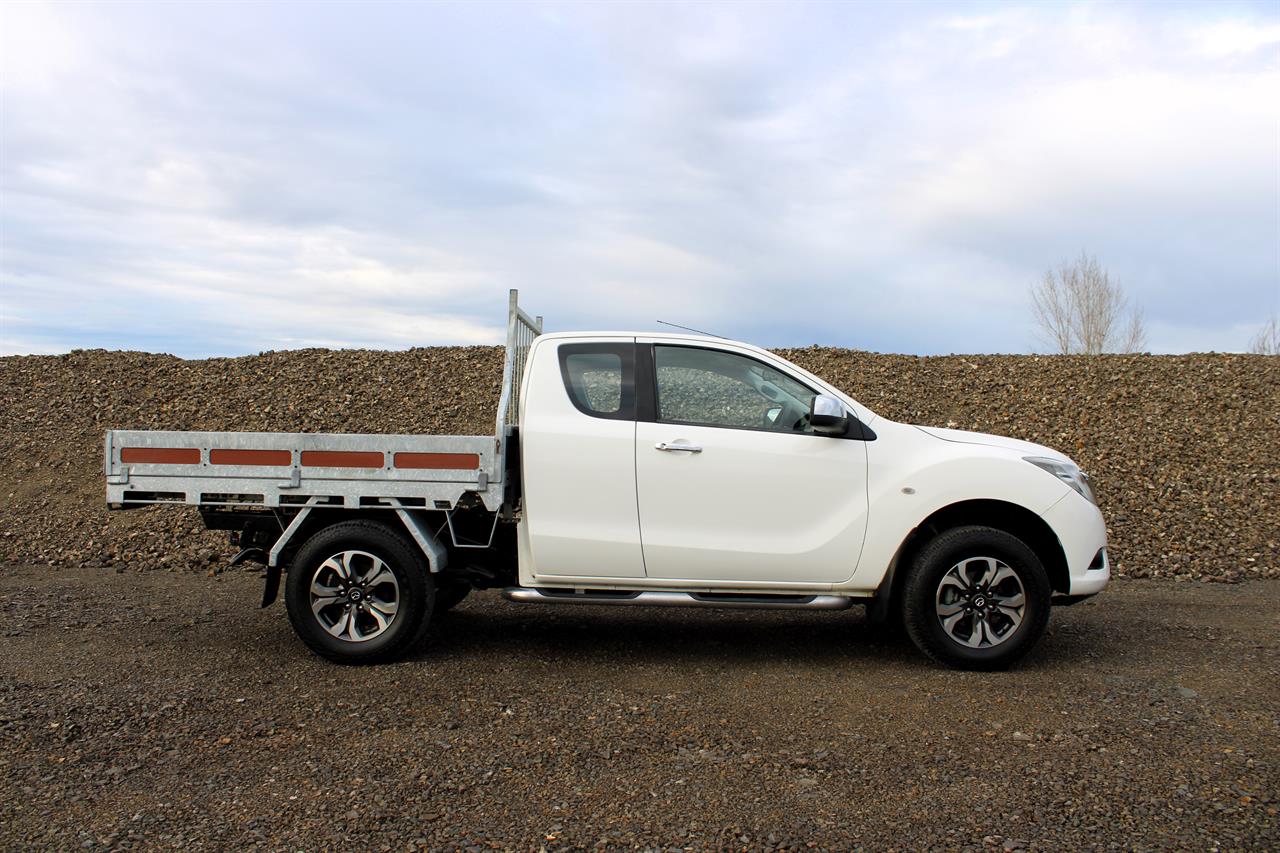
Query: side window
x=715, y=388
x=600, y=379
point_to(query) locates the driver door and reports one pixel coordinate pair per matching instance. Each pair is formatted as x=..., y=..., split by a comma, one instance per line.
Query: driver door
x=732, y=483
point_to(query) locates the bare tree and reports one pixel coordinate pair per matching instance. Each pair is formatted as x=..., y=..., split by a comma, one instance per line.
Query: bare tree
x=1080, y=309
x=1267, y=341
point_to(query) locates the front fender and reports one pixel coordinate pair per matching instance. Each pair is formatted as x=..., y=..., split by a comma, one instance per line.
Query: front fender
x=912, y=475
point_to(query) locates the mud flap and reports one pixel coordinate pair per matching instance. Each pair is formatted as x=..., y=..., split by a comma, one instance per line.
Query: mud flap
x=271, y=588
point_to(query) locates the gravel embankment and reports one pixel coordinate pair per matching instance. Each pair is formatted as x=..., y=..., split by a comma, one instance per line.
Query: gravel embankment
x=1184, y=450
x=163, y=711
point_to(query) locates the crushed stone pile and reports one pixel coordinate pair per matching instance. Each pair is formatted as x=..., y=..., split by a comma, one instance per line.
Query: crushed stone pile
x=1184, y=451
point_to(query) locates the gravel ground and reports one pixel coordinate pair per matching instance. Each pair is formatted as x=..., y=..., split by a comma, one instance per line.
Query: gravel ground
x=161, y=710
x=1183, y=449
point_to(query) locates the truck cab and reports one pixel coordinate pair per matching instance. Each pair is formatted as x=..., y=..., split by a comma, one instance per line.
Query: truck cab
x=688, y=463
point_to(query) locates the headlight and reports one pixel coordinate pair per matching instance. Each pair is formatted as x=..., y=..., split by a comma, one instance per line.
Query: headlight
x=1067, y=472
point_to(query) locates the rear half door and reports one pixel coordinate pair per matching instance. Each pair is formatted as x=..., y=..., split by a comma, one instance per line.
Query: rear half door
x=578, y=460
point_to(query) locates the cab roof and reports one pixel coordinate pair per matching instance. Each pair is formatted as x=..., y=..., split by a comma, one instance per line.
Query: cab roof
x=662, y=336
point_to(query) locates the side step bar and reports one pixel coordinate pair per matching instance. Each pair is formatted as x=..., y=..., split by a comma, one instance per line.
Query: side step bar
x=633, y=598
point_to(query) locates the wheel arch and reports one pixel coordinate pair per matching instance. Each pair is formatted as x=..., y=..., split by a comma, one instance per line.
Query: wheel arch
x=322, y=518
x=1012, y=518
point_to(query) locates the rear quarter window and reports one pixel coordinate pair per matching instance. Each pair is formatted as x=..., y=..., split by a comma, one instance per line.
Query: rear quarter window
x=600, y=379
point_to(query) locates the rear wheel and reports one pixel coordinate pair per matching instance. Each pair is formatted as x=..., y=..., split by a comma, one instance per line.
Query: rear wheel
x=358, y=592
x=976, y=598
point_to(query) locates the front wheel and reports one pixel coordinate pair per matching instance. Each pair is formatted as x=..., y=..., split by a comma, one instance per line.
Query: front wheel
x=358, y=592
x=976, y=598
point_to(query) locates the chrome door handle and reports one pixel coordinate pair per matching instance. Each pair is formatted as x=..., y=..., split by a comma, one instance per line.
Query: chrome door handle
x=687, y=448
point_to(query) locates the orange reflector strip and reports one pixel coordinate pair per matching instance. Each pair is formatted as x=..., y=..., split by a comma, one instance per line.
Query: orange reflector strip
x=342, y=458
x=161, y=455
x=440, y=461
x=250, y=457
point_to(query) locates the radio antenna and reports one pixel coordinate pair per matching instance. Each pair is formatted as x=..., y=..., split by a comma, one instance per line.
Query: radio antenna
x=696, y=331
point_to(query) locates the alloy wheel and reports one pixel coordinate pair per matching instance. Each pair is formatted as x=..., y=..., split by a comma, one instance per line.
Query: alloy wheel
x=980, y=602
x=354, y=596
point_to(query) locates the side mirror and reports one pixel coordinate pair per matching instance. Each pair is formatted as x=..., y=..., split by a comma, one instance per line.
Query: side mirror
x=828, y=416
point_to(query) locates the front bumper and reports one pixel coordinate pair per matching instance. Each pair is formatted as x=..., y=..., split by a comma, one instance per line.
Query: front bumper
x=1083, y=535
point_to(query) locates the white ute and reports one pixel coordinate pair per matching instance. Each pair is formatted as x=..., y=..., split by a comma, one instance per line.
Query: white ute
x=644, y=469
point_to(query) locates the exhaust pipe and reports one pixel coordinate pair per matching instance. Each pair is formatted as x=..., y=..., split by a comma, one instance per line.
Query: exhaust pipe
x=637, y=598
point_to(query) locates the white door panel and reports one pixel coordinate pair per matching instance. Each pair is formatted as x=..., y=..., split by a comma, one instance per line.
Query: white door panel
x=751, y=506
x=579, y=481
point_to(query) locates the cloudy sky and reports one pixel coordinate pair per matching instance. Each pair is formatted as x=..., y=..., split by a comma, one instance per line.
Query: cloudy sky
x=227, y=178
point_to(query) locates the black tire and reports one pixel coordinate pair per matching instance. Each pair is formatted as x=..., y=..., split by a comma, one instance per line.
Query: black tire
x=364, y=540
x=449, y=594
x=971, y=550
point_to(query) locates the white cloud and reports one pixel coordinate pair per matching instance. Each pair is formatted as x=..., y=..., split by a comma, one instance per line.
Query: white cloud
x=39, y=47
x=994, y=36
x=1230, y=38
x=1116, y=140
